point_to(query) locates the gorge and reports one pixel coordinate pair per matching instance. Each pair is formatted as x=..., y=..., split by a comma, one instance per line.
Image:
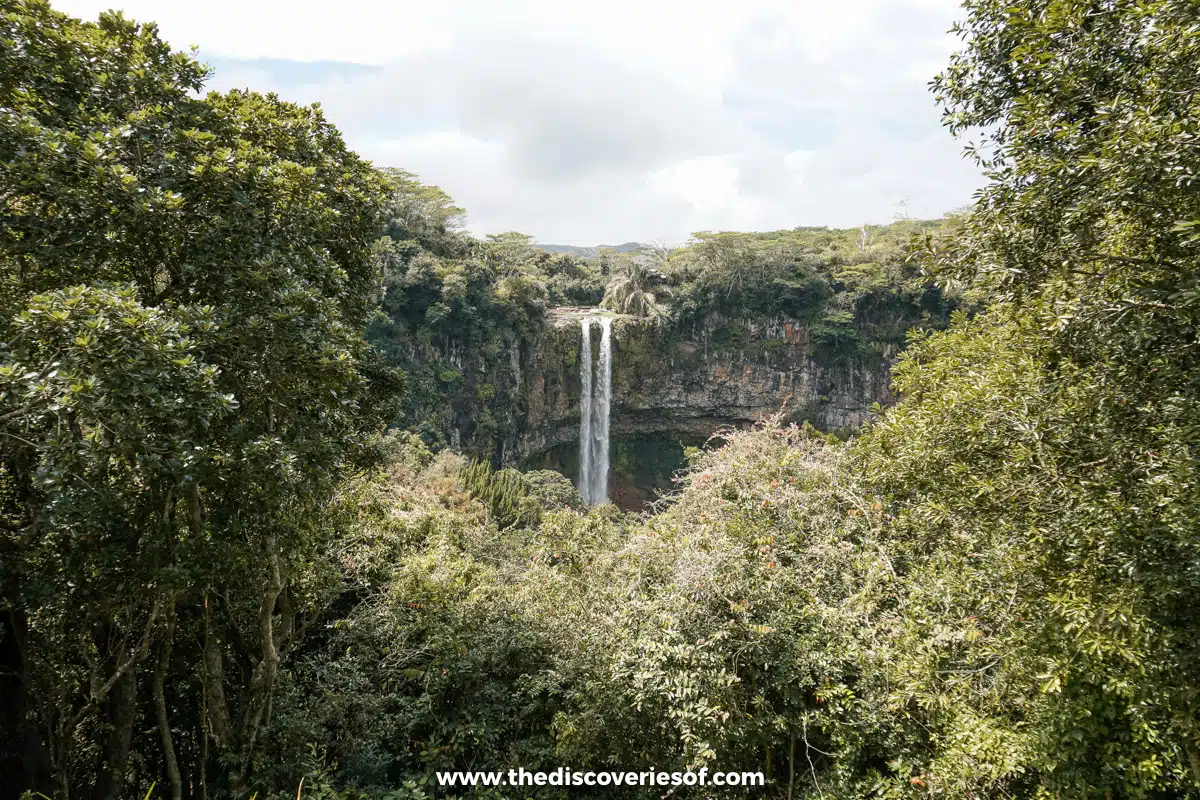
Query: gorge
x=307, y=492
x=731, y=329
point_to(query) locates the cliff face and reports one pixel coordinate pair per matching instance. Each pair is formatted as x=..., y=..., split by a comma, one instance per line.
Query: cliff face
x=721, y=372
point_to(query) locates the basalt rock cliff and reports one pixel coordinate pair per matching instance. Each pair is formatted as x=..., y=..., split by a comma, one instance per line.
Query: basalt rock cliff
x=692, y=380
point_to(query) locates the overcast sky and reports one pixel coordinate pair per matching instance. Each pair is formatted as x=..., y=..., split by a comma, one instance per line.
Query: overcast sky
x=604, y=121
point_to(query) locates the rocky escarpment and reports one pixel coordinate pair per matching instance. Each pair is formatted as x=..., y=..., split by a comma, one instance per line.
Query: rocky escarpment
x=716, y=373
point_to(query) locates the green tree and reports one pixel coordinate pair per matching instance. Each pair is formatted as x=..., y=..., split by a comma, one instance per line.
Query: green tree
x=184, y=387
x=628, y=291
x=422, y=213
x=1041, y=467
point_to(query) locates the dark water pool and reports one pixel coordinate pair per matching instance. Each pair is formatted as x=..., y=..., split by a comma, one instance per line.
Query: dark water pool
x=641, y=465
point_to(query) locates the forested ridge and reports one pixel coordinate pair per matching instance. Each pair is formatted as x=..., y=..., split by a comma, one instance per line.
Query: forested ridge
x=240, y=556
x=457, y=311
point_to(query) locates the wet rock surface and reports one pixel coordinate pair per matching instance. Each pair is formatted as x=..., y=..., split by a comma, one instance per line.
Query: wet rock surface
x=723, y=372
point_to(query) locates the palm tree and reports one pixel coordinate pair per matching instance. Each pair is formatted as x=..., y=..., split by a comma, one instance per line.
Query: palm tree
x=628, y=292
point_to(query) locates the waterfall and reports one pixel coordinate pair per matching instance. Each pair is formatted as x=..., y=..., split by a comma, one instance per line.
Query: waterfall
x=585, y=413
x=594, y=403
x=600, y=417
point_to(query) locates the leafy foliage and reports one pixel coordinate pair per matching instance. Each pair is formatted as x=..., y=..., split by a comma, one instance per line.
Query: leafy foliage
x=216, y=571
x=628, y=292
x=184, y=393
x=461, y=316
x=988, y=593
x=1042, y=468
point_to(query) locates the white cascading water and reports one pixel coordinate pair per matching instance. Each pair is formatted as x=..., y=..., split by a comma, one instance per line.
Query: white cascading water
x=594, y=402
x=600, y=418
x=585, y=413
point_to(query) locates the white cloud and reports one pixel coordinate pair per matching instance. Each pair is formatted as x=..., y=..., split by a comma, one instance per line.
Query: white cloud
x=708, y=183
x=597, y=121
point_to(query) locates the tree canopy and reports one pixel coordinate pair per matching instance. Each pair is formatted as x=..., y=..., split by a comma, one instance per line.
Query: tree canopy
x=242, y=555
x=184, y=388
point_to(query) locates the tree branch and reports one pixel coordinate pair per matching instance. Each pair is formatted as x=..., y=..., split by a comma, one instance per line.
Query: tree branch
x=99, y=693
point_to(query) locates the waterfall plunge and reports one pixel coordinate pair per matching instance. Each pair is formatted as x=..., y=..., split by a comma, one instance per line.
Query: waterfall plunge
x=585, y=413
x=600, y=416
x=594, y=401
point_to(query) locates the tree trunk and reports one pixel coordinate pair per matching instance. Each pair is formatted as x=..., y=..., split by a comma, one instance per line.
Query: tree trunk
x=160, y=710
x=1194, y=761
x=262, y=683
x=13, y=779
x=203, y=757
x=59, y=759
x=24, y=762
x=118, y=711
x=792, y=764
x=219, y=723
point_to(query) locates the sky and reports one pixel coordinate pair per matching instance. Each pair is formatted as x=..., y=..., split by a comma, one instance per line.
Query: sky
x=604, y=121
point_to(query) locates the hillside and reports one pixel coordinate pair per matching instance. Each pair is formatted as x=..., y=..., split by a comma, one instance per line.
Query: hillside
x=805, y=322
x=590, y=252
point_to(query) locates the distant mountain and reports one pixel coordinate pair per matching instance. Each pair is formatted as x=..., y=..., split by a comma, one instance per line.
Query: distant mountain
x=590, y=252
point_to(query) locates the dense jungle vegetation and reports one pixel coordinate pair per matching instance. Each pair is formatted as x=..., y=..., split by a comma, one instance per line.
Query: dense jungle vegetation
x=456, y=310
x=236, y=554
